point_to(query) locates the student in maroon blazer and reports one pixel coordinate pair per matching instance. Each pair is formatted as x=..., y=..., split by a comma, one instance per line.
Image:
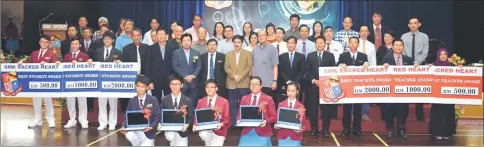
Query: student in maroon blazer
x=259, y=136
x=217, y=136
x=289, y=137
x=76, y=56
x=43, y=55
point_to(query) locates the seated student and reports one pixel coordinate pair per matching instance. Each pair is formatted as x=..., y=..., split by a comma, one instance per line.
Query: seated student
x=177, y=100
x=289, y=137
x=258, y=136
x=140, y=102
x=217, y=136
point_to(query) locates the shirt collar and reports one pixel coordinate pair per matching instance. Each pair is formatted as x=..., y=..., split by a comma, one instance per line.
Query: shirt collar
x=142, y=98
x=214, y=53
x=173, y=96
x=291, y=52
x=187, y=51
x=43, y=50
x=213, y=98
x=322, y=52
x=109, y=48
x=374, y=26
x=76, y=52
x=291, y=101
x=257, y=95
x=87, y=40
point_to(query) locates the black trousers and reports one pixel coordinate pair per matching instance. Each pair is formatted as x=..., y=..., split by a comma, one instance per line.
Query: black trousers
x=271, y=93
x=90, y=104
x=398, y=111
x=348, y=110
x=419, y=111
x=159, y=91
x=326, y=112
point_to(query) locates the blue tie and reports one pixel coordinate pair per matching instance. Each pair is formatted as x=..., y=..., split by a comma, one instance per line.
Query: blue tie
x=211, y=67
x=291, y=58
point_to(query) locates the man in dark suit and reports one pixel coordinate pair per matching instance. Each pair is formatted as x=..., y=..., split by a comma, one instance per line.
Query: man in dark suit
x=400, y=110
x=134, y=52
x=319, y=58
x=175, y=43
x=108, y=54
x=213, y=68
x=177, y=100
x=291, y=67
x=87, y=41
x=377, y=30
x=352, y=58
x=158, y=65
x=186, y=63
x=66, y=44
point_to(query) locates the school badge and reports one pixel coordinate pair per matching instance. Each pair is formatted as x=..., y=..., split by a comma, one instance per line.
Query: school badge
x=332, y=89
x=11, y=86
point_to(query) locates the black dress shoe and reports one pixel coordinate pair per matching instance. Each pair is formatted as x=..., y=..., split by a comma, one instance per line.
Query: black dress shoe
x=325, y=133
x=345, y=133
x=390, y=134
x=313, y=133
x=402, y=134
x=357, y=134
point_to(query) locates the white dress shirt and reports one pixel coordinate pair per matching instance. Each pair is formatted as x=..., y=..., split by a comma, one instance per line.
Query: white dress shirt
x=194, y=33
x=187, y=55
x=177, y=99
x=208, y=63
x=107, y=53
x=336, y=49
x=88, y=42
x=76, y=53
x=310, y=47
x=138, y=59
x=143, y=100
x=147, y=38
x=370, y=51
x=252, y=98
x=282, y=47
x=213, y=100
x=291, y=102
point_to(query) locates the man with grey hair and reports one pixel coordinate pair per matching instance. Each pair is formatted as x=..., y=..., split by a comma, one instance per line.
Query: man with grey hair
x=97, y=35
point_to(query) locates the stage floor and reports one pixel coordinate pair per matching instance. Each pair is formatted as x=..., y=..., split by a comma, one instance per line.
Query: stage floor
x=14, y=120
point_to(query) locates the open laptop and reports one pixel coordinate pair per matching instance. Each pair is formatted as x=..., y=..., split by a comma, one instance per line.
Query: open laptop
x=250, y=116
x=286, y=119
x=135, y=120
x=171, y=120
x=205, y=119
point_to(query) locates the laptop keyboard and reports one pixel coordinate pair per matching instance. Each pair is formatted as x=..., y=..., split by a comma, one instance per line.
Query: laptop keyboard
x=171, y=128
x=249, y=124
x=206, y=127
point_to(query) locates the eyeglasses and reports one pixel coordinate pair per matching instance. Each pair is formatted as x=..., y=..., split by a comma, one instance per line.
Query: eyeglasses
x=174, y=84
x=254, y=84
x=210, y=87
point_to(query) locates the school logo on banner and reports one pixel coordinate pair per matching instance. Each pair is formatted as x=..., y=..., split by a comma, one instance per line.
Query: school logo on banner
x=332, y=89
x=11, y=86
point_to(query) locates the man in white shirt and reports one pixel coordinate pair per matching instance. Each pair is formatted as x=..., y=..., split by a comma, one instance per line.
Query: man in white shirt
x=367, y=48
x=226, y=44
x=280, y=44
x=332, y=46
x=197, y=23
x=154, y=26
x=304, y=45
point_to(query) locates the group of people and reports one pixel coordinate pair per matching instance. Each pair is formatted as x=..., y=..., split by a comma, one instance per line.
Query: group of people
x=190, y=68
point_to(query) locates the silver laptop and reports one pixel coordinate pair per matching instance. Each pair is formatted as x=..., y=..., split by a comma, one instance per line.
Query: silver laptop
x=286, y=118
x=205, y=119
x=135, y=120
x=250, y=116
x=171, y=120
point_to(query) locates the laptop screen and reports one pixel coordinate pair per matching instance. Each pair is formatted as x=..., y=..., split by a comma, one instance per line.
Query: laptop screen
x=172, y=117
x=205, y=115
x=136, y=118
x=250, y=112
x=288, y=115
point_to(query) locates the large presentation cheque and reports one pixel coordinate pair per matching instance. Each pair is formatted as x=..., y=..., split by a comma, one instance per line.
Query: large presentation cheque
x=101, y=79
x=401, y=84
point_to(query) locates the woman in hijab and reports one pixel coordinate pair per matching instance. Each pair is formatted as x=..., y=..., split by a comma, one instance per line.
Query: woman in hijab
x=442, y=116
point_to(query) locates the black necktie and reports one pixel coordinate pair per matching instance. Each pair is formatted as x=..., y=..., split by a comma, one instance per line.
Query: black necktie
x=413, y=47
x=140, y=103
x=353, y=58
x=107, y=55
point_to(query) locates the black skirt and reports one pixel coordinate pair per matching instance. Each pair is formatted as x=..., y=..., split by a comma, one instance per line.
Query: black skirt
x=442, y=120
